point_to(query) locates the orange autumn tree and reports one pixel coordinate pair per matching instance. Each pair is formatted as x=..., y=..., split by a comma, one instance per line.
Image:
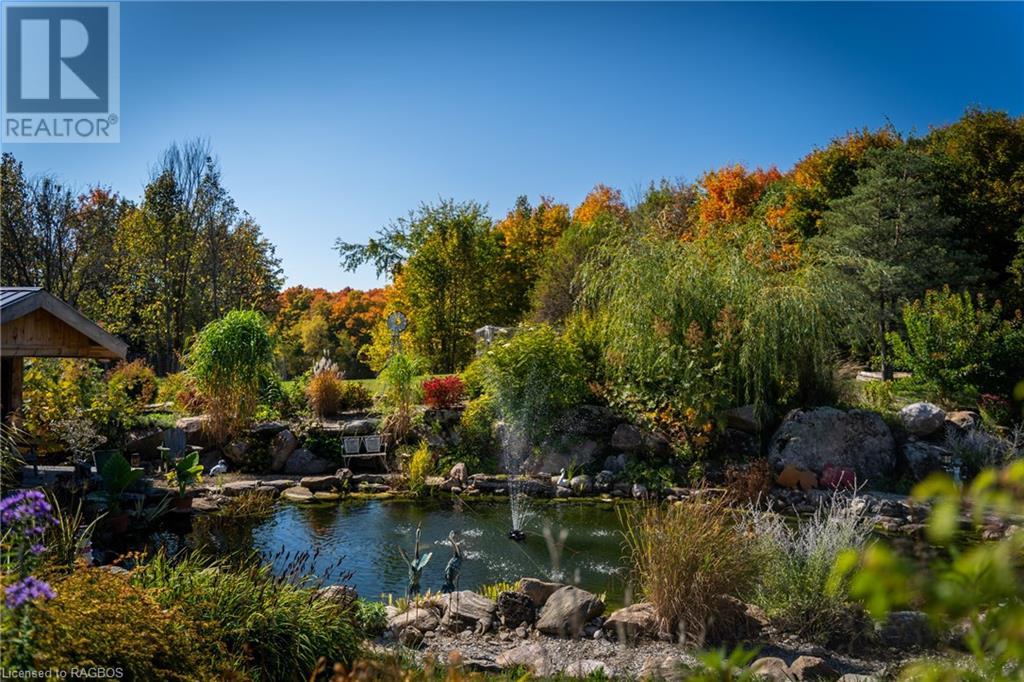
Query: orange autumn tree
x=828, y=174
x=729, y=194
x=528, y=233
x=310, y=321
x=602, y=199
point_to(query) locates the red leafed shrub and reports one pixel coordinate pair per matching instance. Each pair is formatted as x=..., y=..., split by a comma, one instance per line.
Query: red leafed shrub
x=443, y=392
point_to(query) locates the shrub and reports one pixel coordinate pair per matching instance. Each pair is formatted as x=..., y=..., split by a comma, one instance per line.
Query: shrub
x=532, y=378
x=229, y=359
x=956, y=345
x=749, y=483
x=276, y=629
x=796, y=560
x=180, y=390
x=421, y=464
x=443, y=392
x=69, y=536
x=324, y=393
x=99, y=619
x=477, y=441
x=685, y=558
x=372, y=617
x=54, y=389
x=354, y=396
x=136, y=380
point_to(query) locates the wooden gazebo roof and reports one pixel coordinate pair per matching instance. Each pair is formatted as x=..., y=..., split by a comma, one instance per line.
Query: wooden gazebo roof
x=34, y=323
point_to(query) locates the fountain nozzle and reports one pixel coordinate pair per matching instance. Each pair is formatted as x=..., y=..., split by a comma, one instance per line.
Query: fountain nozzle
x=517, y=535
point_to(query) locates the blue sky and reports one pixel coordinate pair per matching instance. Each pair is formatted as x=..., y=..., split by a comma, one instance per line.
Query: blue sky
x=330, y=119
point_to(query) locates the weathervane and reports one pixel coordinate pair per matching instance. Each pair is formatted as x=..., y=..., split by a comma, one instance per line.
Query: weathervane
x=397, y=323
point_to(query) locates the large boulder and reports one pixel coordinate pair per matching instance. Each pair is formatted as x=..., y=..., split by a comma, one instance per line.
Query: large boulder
x=858, y=440
x=812, y=668
x=236, y=488
x=905, y=630
x=145, y=441
x=632, y=622
x=628, y=437
x=923, y=458
x=467, y=609
x=302, y=462
x=422, y=619
x=582, y=484
x=196, y=432
x=282, y=446
x=743, y=419
x=297, y=494
x=632, y=438
x=922, y=419
x=567, y=611
x=771, y=668
x=361, y=427
x=533, y=656
x=344, y=595
x=588, y=668
x=538, y=590
x=319, y=484
x=552, y=458
x=267, y=430
x=733, y=621
x=235, y=452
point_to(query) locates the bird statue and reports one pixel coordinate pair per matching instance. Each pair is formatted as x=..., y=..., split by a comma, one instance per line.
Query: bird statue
x=416, y=564
x=220, y=467
x=454, y=566
x=563, y=482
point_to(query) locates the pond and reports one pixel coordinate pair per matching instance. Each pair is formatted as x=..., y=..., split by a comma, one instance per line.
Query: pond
x=361, y=538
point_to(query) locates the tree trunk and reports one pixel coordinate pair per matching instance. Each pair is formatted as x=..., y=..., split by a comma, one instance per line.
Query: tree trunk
x=884, y=347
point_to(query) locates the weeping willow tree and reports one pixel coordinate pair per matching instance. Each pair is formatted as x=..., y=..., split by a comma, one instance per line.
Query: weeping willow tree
x=691, y=328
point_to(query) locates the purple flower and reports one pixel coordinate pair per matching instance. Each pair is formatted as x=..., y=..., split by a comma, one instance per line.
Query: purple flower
x=26, y=590
x=37, y=548
x=27, y=507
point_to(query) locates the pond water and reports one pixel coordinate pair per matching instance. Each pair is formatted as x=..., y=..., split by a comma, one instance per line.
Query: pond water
x=361, y=538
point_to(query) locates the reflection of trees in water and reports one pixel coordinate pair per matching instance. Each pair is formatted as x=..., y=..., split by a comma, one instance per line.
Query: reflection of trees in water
x=320, y=519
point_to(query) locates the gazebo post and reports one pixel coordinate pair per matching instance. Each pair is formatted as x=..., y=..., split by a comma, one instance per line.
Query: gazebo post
x=12, y=371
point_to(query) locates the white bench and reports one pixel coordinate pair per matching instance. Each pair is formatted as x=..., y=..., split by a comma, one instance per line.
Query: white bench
x=375, y=448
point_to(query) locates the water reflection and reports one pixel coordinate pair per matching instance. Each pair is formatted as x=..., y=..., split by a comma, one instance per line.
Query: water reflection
x=365, y=535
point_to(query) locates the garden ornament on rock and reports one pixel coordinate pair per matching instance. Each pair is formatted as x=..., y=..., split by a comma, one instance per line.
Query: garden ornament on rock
x=454, y=565
x=416, y=566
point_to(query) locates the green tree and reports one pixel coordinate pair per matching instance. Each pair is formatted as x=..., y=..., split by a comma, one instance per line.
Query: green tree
x=55, y=240
x=979, y=163
x=184, y=255
x=446, y=256
x=890, y=240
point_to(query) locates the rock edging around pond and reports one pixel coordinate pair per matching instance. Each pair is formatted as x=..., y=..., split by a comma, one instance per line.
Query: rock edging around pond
x=549, y=628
